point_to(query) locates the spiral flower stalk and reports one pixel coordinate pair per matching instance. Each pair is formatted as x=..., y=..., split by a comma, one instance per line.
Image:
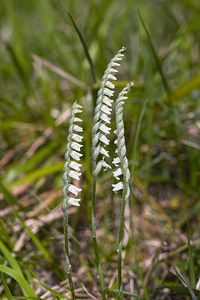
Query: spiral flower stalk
x=73, y=155
x=102, y=119
x=100, y=140
x=72, y=171
x=121, y=174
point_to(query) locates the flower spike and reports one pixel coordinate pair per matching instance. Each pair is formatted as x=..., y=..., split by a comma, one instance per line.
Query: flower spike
x=121, y=161
x=102, y=119
x=73, y=155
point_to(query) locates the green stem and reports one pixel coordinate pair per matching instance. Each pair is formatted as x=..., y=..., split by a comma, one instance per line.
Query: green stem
x=120, y=241
x=66, y=239
x=94, y=242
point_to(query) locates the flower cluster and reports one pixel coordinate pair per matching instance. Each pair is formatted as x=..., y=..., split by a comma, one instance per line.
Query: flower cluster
x=102, y=118
x=121, y=161
x=72, y=167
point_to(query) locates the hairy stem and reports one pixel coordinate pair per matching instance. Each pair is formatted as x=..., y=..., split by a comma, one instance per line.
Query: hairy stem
x=66, y=239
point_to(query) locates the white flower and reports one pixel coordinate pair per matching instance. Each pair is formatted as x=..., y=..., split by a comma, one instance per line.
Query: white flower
x=76, y=155
x=75, y=175
x=105, y=129
x=74, y=189
x=74, y=165
x=74, y=201
x=116, y=161
x=77, y=137
x=117, y=173
x=78, y=128
x=118, y=186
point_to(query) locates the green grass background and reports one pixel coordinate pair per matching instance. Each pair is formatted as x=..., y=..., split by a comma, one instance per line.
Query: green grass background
x=44, y=67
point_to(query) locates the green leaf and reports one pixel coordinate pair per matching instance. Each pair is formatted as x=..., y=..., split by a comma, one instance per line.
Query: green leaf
x=6, y=288
x=24, y=285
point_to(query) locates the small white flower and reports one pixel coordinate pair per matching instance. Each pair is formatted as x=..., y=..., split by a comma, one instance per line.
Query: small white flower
x=115, y=64
x=112, y=70
x=105, y=129
x=111, y=77
x=77, y=137
x=77, y=120
x=110, y=85
x=106, y=109
x=76, y=155
x=76, y=146
x=104, y=139
x=75, y=166
x=108, y=92
x=74, y=189
x=116, y=161
x=75, y=175
x=107, y=101
x=104, y=152
x=118, y=186
x=117, y=173
x=105, y=165
x=78, y=128
x=105, y=118
x=74, y=201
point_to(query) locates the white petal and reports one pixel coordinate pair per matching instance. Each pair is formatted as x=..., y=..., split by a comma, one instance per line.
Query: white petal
x=75, y=155
x=98, y=168
x=74, y=201
x=110, y=85
x=104, y=152
x=105, y=118
x=77, y=119
x=74, y=189
x=108, y=92
x=78, y=106
x=78, y=128
x=105, y=165
x=118, y=186
x=106, y=110
x=77, y=111
x=74, y=165
x=111, y=77
x=104, y=139
x=74, y=174
x=76, y=137
x=117, y=173
x=76, y=146
x=112, y=70
x=107, y=101
x=116, y=161
x=115, y=64
x=105, y=129
x=96, y=151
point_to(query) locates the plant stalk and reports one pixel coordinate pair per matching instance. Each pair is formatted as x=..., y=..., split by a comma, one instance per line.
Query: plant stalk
x=66, y=240
x=100, y=276
x=121, y=237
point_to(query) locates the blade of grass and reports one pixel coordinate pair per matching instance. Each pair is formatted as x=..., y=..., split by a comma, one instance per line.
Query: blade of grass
x=12, y=261
x=190, y=257
x=158, y=64
x=85, y=47
x=6, y=288
x=24, y=285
